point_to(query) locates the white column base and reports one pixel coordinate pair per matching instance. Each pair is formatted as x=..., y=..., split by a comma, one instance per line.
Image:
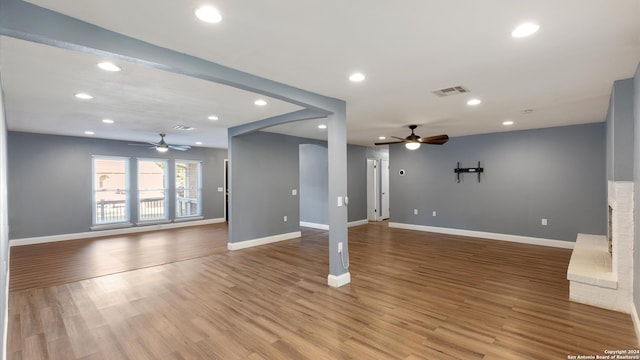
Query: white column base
x=340, y=280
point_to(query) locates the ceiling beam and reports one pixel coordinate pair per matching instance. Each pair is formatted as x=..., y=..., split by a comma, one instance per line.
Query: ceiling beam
x=26, y=21
x=305, y=114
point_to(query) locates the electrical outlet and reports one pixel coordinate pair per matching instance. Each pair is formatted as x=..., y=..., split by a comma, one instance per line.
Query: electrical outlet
x=285, y=218
x=434, y=213
x=415, y=211
x=544, y=222
x=294, y=192
x=339, y=247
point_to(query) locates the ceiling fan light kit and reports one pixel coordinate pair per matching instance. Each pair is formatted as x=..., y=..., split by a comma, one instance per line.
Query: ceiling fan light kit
x=162, y=145
x=413, y=141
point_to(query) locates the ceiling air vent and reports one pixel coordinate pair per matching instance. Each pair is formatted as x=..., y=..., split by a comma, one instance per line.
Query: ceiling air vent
x=451, y=91
x=183, y=127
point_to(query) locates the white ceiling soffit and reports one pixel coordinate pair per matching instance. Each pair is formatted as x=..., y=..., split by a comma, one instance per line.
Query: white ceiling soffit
x=406, y=50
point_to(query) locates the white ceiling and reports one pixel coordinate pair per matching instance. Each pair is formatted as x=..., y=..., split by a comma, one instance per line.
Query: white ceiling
x=406, y=49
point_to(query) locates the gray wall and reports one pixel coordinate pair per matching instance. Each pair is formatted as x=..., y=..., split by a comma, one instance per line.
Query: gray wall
x=357, y=182
x=4, y=227
x=554, y=173
x=620, y=132
x=378, y=152
x=262, y=187
x=314, y=184
x=50, y=178
x=636, y=185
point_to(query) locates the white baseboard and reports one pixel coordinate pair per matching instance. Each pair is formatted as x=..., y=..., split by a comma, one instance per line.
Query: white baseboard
x=110, y=232
x=636, y=320
x=487, y=235
x=358, y=223
x=340, y=280
x=263, y=241
x=326, y=227
x=314, y=225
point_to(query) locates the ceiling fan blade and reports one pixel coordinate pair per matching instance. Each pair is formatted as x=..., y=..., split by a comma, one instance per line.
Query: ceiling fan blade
x=399, y=138
x=180, y=147
x=434, y=140
x=389, y=142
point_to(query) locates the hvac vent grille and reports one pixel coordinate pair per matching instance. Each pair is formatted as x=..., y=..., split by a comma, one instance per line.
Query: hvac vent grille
x=184, y=127
x=451, y=91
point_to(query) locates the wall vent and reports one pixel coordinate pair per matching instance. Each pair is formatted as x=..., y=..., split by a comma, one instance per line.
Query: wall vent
x=451, y=91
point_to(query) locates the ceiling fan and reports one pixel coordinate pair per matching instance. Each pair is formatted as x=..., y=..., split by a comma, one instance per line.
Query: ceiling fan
x=162, y=145
x=413, y=141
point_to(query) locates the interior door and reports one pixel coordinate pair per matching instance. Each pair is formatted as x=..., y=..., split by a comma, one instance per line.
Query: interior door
x=372, y=190
x=384, y=188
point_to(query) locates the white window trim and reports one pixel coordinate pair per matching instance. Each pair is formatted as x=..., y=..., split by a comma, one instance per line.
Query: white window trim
x=116, y=224
x=199, y=214
x=166, y=217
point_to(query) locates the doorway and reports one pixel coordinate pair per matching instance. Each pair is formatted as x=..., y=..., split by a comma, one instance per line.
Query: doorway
x=384, y=188
x=226, y=190
x=372, y=190
x=377, y=189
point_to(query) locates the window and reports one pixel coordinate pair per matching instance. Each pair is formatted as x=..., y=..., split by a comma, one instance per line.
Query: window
x=152, y=190
x=110, y=190
x=188, y=188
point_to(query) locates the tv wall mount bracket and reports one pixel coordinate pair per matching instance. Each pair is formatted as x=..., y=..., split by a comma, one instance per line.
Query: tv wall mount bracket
x=458, y=170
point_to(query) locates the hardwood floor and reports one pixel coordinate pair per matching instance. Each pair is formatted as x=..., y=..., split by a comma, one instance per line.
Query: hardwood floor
x=69, y=261
x=413, y=295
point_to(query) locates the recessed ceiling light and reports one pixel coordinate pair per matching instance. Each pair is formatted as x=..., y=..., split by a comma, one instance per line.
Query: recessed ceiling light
x=107, y=66
x=208, y=14
x=83, y=96
x=474, y=102
x=213, y=117
x=260, y=102
x=198, y=142
x=107, y=121
x=507, y=123
x=357, y=77
x=525, y=29
x=382, y=137
x=322, y=126
x=89, y=132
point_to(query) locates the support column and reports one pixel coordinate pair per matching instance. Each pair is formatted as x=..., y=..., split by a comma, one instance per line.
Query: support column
x=338, y=214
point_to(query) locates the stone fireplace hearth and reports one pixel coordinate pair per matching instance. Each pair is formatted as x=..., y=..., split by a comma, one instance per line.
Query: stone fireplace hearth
x=600, y=269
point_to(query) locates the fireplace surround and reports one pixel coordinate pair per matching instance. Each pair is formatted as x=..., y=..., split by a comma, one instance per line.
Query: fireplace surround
x=601, y=266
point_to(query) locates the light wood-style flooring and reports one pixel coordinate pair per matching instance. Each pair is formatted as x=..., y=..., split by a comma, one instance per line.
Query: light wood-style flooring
x=413, y=295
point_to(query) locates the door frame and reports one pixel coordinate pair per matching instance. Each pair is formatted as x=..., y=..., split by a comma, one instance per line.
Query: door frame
x=373, y=193
x=384, y=189
x=225, y=190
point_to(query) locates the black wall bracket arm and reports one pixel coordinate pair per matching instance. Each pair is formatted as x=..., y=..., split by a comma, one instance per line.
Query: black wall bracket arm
x=458, y=170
